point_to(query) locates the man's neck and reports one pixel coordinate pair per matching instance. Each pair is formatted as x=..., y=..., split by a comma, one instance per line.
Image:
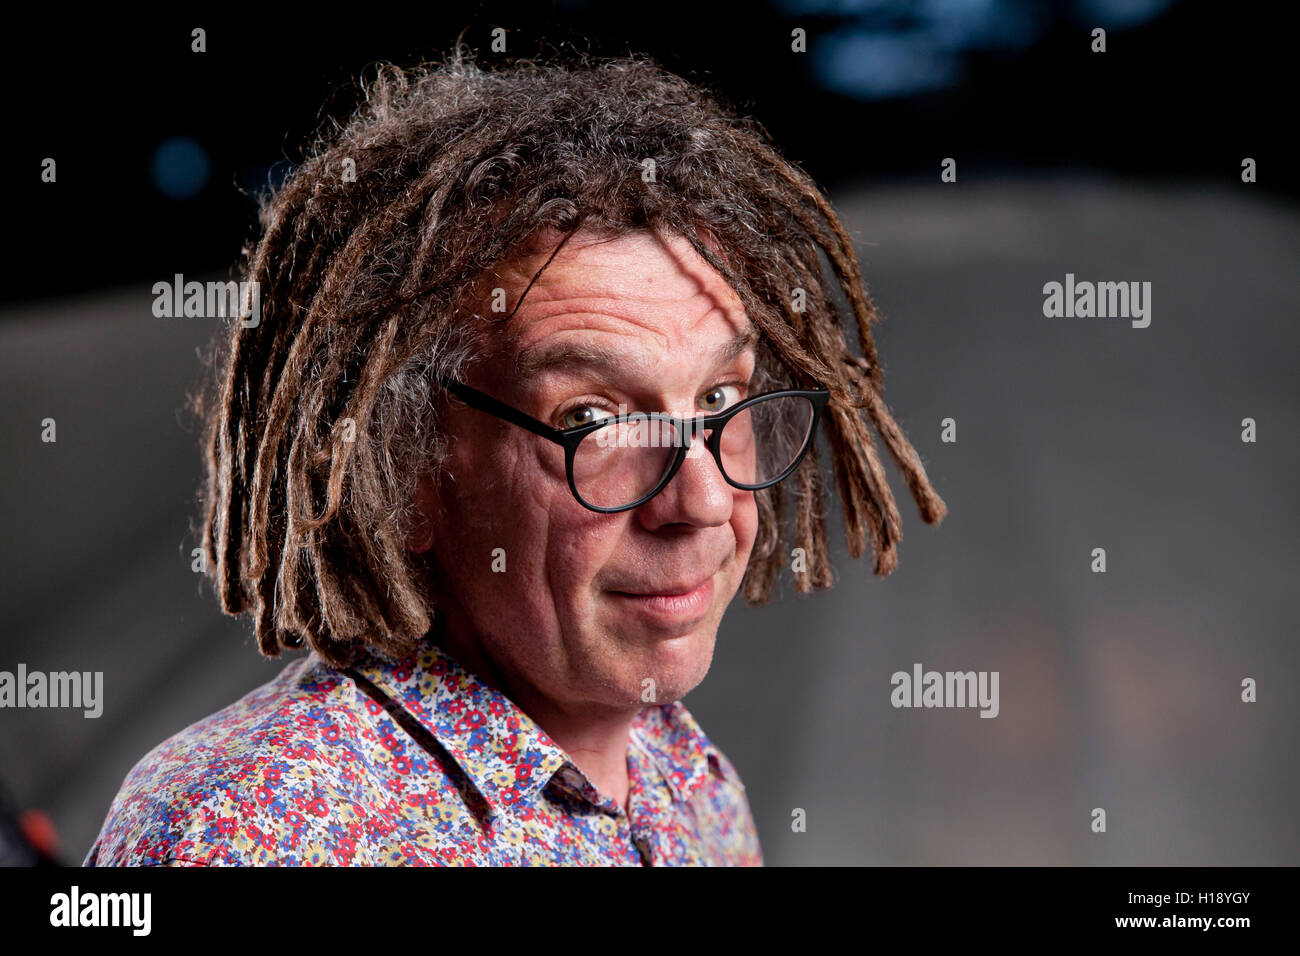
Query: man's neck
x=597, y=741
x=598, y=747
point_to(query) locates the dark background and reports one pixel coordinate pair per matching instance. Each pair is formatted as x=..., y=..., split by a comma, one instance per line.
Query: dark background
x=1118, y=690
x=885, y=89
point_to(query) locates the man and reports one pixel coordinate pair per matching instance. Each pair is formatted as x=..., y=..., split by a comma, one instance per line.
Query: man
x=542, y=360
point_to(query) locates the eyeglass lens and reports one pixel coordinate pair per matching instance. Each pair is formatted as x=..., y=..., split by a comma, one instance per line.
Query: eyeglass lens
x=624, y=461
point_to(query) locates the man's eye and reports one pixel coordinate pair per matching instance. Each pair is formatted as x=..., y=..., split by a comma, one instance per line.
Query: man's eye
x=719, y=397
x=582, y=415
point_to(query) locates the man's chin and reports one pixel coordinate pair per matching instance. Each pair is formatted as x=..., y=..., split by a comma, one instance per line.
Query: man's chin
x=665, y=669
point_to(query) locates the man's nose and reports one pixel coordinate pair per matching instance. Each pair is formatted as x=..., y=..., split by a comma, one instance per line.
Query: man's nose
x=697, y=495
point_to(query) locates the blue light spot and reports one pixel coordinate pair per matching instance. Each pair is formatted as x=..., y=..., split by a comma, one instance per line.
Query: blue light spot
x=180, y=168
x=881, y=66
x=962, y=25
x=1119, y=14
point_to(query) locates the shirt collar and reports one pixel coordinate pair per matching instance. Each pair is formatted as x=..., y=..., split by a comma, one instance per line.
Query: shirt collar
x=503, y=751
x=679, y=749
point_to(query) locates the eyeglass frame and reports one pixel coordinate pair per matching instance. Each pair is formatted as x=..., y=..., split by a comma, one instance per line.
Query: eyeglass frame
x=570, y=438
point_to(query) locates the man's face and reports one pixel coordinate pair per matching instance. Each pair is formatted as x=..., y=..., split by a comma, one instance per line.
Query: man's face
x=590, y=606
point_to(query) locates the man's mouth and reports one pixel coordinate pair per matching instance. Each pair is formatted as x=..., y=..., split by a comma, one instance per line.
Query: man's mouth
x=671, y=603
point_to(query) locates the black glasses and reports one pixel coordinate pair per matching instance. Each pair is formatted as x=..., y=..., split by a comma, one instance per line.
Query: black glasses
x=621, y=462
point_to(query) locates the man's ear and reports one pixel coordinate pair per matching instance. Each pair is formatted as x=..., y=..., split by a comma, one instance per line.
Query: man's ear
x=420, y=538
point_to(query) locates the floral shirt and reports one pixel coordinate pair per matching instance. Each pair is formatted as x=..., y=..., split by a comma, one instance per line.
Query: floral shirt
x=416, y=763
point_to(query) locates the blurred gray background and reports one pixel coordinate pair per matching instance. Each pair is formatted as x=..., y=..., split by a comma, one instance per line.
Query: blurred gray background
x=1118, y=690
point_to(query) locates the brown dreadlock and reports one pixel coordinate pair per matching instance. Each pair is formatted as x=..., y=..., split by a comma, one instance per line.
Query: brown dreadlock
x=370, y=258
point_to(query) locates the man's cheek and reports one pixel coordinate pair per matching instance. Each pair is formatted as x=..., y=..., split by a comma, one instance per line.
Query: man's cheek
x=574, y=561
x=745, y=526
x=580, y=548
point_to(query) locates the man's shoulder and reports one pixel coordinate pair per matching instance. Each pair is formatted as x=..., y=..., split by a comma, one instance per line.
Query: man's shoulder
x=237, y=785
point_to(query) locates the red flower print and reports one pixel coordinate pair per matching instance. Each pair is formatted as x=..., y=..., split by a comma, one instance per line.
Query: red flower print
x=249, y=786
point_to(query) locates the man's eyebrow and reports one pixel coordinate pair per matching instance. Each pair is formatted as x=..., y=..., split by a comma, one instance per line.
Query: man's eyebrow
x=542, y=358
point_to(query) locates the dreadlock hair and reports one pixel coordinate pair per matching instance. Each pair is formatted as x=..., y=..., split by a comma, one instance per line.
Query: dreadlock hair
x=370, y=258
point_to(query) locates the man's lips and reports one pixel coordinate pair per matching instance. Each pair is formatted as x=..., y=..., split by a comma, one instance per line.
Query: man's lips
x=668, y=590
x=670, y=603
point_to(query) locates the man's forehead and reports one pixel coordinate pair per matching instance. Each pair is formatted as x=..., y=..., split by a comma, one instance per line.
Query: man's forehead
x=588, y=348
x=632, y=267
x=599, y=298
